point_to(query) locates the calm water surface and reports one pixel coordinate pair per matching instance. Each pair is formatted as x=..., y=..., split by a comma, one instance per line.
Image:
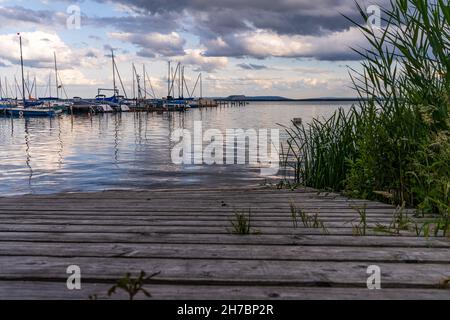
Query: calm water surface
x=127, y=150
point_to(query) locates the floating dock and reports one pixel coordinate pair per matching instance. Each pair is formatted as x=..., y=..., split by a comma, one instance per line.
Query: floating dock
x=185, y=234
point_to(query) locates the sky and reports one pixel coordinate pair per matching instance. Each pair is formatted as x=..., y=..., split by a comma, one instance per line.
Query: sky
x=291, y=48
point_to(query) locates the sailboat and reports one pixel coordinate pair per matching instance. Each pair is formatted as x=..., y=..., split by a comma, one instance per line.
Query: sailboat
x=115, y=103
x=56, y=103
x=25, y=110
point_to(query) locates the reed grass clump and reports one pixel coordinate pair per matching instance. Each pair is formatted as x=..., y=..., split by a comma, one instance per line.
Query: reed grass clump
x=307, y=220
x=395, y=144
x=131, y=286
x=241, y=223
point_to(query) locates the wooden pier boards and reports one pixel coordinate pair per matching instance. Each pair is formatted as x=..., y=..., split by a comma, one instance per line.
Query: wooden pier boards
x=186, y=236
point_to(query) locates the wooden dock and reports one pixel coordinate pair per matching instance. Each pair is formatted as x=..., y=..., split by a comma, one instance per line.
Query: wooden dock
x=186, y=236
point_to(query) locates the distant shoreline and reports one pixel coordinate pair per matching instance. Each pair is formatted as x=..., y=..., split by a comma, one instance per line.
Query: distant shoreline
x=282, y=99
x=306, y=100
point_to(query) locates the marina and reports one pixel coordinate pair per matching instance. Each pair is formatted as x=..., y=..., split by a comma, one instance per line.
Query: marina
x=225, y=155
x=143, y=100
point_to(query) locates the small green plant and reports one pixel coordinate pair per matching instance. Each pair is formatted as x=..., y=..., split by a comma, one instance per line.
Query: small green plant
x=308, y=220
x=400, y=222
x=435, y=227
x=132, y=286
x=361, y=228
x=286, y=184
x=241, y=224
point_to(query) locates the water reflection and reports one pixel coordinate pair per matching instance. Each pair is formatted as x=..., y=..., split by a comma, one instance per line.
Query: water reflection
x=27, y=152
x=126, y=150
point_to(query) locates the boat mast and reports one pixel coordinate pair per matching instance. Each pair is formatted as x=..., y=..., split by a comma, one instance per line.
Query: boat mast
x=50, y=84
x=114, y=72
x=201, y=86
x=56, y=76
x=35, y=88
x=139, y=96
x=179, y=81
x=168, y=82
x=15, y=87
x=27, y=84
x=21, y=64
x=182, y=84
x=134, y=84
x=145, y=88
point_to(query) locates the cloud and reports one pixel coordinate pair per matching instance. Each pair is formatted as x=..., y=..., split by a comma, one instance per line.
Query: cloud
x=225, y=28
x=256, y=84
x=263, y=44
x=90, y=54
x=18, y=16
x=38, y=49
x=154, y=43
x=218, y=18
x=251, y=66
x=197, y=59
x=138, y=23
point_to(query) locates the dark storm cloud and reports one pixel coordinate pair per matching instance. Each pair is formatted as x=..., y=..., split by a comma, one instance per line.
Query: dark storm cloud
x=226, y=21
x=219, y=17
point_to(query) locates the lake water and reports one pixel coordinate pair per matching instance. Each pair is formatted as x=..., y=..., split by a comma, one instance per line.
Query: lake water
x=128, y=150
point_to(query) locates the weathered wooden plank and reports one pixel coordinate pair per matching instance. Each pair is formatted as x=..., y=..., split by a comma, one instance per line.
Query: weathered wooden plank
x=139, y=196
x=149, y=222
x=181, y=208
x=191, y=199
x=300, y=240
x=230, y=272
x=237, y=252
x=241, y=198
x=57, y=290
x=176, y=192
x=180, y=229
x=224, y=211
x=185, y=192
x=167, y=219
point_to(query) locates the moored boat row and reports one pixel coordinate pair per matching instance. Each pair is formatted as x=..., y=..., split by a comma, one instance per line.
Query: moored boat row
x=53, y=106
